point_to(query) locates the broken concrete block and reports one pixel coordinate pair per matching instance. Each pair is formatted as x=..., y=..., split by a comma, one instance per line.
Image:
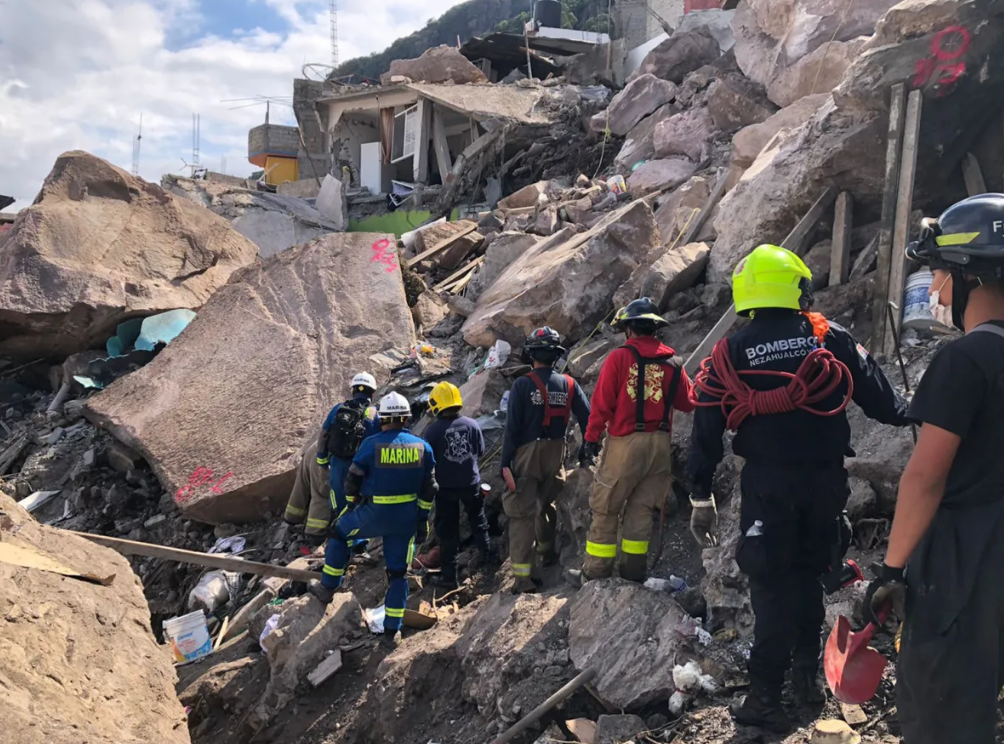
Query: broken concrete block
x=115, y=657
x=123, y=458
x=639, y=98
x=684, y=134
x=459, y=304
x=436, y=65
x=429, y=310
x=546, y=222
x=639, y=145
x=224, y=411
x=618, y=729
x=674, y=271
x=734, y=102
x=332, y=202
x=538, y=288
x=525, y=197
x=679, y=55
x=99, y=246
x=650, y=629
x=658, y=174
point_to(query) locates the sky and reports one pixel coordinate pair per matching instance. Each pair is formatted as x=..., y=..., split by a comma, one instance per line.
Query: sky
x=77, y=75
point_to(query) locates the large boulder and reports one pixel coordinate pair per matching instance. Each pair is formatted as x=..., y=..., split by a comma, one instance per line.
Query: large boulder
x=639, y=145
x=749, y=141
x=724, y=586
x=679, y=55
x=78, y=660
x=643, y=95
x=674, y=271
x=843, y=143
x=574, y=515
x=437, y=65
x=734, y=102
x=659, y=174
x=820, y=71
x=632, y=636
x=687, y=133
x=678, y=210
x=99, y=246
x=565, y=284
x=223, y=411
x=504, y=249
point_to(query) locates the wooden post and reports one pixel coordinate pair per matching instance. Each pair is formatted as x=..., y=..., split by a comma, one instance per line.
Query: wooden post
x=795, y=242
x=888, y=219
x=904, y=206
x=709, y=205
x=440, y=144
x=973, y=174
x=420, y=160
x=840, y=256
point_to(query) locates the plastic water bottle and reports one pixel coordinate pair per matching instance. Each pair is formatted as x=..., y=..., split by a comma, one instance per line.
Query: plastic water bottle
x=672, y=584
x=756, y=530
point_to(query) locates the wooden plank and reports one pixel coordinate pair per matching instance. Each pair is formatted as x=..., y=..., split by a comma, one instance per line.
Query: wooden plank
x=222, y=634
x=904, y=206
x=325, y=669
x=420, y=160
x=716, y=193
x=795, y=242
x=840, y=256
x=131, y=547
x=460, y=272
x=12, y=452
x=440, y=145
x=441, y=245
x=973, y=174
x=887, y=224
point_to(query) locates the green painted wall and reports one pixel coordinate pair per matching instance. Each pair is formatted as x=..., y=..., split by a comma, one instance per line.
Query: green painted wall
x=398, y=222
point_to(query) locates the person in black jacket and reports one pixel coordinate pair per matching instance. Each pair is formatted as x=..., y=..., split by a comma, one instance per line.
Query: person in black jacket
x=533, y=453
x=457, y=443
x=794, y=485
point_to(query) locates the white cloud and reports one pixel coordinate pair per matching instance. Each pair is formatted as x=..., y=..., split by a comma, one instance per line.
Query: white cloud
x=77, y=74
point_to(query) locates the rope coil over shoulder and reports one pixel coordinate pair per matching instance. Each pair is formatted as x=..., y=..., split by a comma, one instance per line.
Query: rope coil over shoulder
x=819, y=375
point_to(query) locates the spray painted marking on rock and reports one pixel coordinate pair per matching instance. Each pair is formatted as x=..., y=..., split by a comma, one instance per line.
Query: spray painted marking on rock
x=386, y=254
x=200, y=478
x=943, y=68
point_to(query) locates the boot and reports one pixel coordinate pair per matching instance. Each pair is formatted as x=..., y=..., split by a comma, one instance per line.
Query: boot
x=324, y=594
x=762, y=708
x=806, y=686
x=440, y=581
x=390, y=639
x=575, y=577
x=548, y=557
x=525, y=585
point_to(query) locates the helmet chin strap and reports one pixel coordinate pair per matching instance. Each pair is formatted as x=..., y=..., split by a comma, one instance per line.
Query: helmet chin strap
x=961, y=289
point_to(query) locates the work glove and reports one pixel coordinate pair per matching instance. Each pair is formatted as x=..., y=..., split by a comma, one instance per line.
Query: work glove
x=887, y=591
x=509, y=478
x=588, y=453
x=421, y=531
x=704, y=521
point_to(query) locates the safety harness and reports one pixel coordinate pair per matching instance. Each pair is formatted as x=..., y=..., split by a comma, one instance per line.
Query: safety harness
x=549, y=411
x=665, y=360
x=819, y=375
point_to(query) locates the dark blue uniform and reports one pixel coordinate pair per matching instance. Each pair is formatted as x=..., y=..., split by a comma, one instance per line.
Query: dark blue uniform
x=338, y=467
x=393, y=478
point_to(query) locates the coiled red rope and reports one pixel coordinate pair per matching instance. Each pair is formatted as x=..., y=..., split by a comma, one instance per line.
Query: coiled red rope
x=819, y=375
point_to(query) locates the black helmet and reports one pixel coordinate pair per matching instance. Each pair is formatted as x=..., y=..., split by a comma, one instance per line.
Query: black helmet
x=968, y=238
x=543, y=345
x=641, y=314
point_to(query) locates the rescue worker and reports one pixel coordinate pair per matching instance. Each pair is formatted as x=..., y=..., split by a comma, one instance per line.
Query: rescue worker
x=945, y=560
x=533, y=453
x=390, y=488
x=457, y=443
x=639, y=386
x=344, y=429
x=308, y=501
x=794, y=486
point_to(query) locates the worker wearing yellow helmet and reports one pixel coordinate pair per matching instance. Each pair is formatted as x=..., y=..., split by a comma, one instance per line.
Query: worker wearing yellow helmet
x=793, y=436
x=457, y=443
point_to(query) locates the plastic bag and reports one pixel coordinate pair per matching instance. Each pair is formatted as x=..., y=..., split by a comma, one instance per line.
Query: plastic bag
x=617, y=184
x=498, y=354
x=374, y=619
x=270, y=627
x=211, y=593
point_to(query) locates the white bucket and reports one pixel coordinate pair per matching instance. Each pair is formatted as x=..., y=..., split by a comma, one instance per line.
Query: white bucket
x=916, y=306
x=188, y=636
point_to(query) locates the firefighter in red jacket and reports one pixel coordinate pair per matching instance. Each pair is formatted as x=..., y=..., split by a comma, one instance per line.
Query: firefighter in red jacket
x=640, y=384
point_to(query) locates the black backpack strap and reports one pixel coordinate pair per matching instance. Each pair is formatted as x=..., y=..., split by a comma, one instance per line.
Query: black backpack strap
x=675, y=369
x=639, y=397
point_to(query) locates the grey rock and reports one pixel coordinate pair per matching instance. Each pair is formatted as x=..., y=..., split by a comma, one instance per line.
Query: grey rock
x=618, y=729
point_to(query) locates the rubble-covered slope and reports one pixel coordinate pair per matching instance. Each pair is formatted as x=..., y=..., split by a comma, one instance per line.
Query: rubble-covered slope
x=78, y=661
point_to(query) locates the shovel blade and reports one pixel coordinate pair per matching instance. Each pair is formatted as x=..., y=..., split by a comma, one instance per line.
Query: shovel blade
x=853, y=669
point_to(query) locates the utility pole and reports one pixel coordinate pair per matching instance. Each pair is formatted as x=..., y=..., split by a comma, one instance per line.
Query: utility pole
x=334, y=33
x=135, y=147
x=196, y=136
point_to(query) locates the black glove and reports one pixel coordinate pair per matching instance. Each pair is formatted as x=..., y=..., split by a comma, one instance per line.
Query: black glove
x=588, y=453
x=421, y=531
x=886, y=595
x=704, y=521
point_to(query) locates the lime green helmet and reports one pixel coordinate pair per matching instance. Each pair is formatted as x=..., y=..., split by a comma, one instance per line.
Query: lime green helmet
x=771, y=276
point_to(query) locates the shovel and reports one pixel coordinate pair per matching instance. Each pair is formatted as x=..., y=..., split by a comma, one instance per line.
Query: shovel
x=853, y=668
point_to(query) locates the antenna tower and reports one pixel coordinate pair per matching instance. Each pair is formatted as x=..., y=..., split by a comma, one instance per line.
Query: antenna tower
x=196, y=136
x=334, y=33
x=135, y=147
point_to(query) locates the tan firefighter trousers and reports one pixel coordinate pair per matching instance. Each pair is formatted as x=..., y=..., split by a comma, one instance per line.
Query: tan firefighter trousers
x=309, y=502
x=632, y=483
x=539, y=479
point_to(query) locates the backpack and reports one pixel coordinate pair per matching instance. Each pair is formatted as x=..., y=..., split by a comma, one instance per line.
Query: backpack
x=348, y=429
x=549, y=412
x=674, y=367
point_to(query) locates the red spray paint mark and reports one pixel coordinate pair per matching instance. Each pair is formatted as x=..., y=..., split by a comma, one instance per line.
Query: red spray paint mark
x=386, y=254
x=200, y=478
x=943, y=68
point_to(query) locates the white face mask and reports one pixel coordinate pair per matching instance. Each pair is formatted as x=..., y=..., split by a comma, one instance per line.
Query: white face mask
x=941, y=313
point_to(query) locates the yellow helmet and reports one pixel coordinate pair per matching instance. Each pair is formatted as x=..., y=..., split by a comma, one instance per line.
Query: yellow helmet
x=771, y=276
x=444, y=395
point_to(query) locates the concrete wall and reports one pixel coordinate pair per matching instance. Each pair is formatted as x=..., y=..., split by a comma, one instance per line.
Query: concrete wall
x=273, y=139
x=631, y=22
x=305, y=95
x=670, y=10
